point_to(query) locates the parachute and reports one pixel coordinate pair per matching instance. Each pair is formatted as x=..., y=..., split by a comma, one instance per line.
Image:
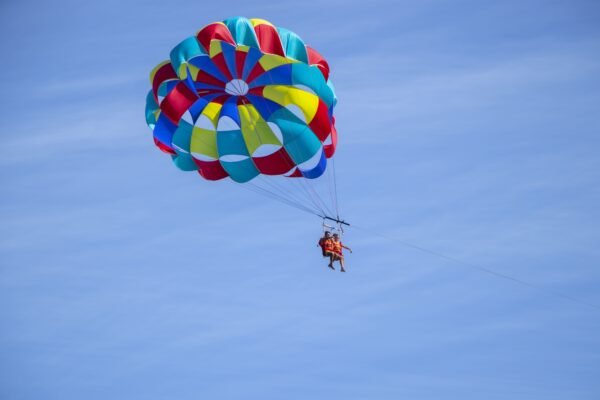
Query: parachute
x=248, y=101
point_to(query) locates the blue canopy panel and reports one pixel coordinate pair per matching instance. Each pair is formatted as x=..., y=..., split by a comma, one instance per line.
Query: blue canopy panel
x=164, y=130
x=230, y=58
x=251, y=59
x=281, y=75
x=205, y=63
x=315, y=167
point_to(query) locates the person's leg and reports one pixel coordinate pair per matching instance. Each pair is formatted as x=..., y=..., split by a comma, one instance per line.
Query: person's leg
x=331, y=259
x=341, y=258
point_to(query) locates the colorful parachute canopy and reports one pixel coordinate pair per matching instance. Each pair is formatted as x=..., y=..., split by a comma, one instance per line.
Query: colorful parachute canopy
x=243, y=98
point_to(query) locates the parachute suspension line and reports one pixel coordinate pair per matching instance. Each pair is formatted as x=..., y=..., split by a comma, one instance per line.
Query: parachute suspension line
x=312, y=189
x=276, y=197
x=330, y=186
x=303, y=187
x=282, y=192
x=300, y=184
x=260, y=190
x=305, y=193
x=482, y=269
x=268, y=186
x=337, y=208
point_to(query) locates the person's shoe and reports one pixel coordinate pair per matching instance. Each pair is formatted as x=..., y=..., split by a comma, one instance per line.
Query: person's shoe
x=331, y=266
x=342, y=270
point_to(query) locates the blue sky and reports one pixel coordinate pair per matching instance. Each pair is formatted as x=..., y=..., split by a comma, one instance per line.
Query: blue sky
x=466, y=127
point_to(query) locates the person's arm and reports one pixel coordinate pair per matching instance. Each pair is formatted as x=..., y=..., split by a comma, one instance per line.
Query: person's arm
x=348, y=248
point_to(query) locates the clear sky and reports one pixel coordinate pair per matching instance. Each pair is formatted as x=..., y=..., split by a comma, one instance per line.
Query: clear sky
x=471, y=128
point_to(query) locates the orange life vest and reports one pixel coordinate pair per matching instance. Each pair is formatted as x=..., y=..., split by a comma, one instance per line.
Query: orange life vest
x=336, y=247
x=326, y=244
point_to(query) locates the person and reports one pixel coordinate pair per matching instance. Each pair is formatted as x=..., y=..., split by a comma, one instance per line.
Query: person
x=337, y=251
x=325, y=242
x=326, y=245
